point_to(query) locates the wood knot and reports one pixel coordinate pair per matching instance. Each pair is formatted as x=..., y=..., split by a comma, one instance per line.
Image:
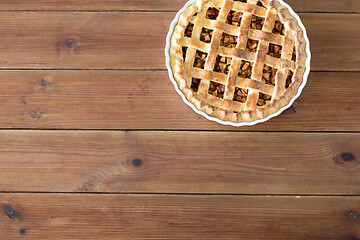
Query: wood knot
x=43, y=82
x=9, y=211
x=346, y=159
x=71, y=43
x=35, y=116
x=353, y=215
x=22, y=231
x=67, y=46
x=137, y=162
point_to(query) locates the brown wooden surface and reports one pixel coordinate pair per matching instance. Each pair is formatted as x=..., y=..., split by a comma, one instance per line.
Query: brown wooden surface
x=180, y=162
x=75, y=74
x=107, y=100
x=118, y=40
x=64, y=216
x=163, y=5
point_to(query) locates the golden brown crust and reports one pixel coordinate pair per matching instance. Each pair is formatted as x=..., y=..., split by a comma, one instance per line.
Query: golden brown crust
x=226, y=109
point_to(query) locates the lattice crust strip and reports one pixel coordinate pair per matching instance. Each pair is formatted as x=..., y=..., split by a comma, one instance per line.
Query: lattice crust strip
x=238, y=54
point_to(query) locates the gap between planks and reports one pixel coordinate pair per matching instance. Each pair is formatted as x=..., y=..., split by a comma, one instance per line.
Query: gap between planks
x=145, y=11
x=135, y=70
x=173, y=130
x=331, y=6
x=184, y=194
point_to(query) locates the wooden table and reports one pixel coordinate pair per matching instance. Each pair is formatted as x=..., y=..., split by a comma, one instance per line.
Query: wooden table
x=96, y=143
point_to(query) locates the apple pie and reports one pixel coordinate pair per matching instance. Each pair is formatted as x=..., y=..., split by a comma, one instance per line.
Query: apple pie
x=238, y=60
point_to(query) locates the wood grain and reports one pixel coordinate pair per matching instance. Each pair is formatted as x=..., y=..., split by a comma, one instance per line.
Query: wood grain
x=117, y=40
x=99, y=65
x=180, y=162
x=148, y=100
x=162, y=5
x=63, y=216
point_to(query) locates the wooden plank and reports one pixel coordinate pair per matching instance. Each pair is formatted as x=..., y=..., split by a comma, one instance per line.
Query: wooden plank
x=162, y=5
x=320, y=31
x=180, y=162
x=330, y=6
x=108, y=100
x=69, y=216
x=93, y=5
x=117, y=40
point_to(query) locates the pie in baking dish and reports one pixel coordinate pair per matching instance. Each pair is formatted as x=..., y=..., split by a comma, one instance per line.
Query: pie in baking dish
x=238, y=60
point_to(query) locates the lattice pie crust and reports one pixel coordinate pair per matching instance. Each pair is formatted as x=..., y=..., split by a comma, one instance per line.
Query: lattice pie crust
x=238, y=61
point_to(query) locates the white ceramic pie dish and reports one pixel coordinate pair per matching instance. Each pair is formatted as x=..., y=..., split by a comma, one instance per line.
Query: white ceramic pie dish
x=171, y=76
